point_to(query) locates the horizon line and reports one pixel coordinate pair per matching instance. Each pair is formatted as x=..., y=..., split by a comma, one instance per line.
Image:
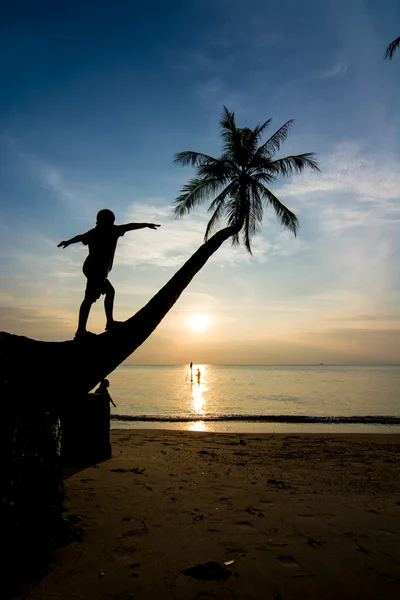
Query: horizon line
x=263, y=364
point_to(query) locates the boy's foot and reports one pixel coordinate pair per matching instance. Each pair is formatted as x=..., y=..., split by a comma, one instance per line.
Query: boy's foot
x=84, y=335
x=114, y=325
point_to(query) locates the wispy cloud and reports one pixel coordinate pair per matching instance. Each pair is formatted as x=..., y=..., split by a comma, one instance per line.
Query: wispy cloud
x=213, y=92
x=80, y=197
x=338, y=69
x=349, y=169
x=176, y=240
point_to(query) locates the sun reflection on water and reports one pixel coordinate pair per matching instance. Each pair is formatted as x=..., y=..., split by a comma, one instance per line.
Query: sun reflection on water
x=197, y=426
x=199, y=388
x=198, y=400
x=198, y=391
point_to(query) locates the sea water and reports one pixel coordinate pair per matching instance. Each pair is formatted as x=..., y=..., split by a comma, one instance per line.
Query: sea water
x=257, y=398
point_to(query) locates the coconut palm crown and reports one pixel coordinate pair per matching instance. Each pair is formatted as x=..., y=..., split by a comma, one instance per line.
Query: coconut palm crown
x=237, y=180
x=391, y=49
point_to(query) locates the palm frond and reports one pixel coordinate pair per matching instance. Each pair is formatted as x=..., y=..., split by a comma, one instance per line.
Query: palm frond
x=260, y=128
x=237, y=207
x=260, y=164
x=218, y=206
x=285, y=216
x=231, y=135
x=253, y=217
x=194, y=159
x=391, y=49
x=249, y=144
x=293, y=164
x=228, y=122
x=250, y=139
x=274, y=143
x=219, y=169
x=194, y=192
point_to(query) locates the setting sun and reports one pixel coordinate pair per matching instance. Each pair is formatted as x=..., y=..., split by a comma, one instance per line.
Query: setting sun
x=198, y=322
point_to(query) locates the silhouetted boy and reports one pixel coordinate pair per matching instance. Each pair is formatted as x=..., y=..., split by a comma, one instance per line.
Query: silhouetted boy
x=103, y=389
x=102, y=241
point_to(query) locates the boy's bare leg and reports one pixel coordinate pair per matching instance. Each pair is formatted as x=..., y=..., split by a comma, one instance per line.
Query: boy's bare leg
x=83, y=316
x=109, y=305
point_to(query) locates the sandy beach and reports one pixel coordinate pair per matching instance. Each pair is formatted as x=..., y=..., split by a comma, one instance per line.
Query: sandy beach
x=202, y=516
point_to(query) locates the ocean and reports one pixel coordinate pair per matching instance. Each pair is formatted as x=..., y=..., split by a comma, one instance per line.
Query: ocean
x=249, y=398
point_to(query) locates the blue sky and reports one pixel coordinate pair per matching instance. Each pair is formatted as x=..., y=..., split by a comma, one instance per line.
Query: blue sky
x=96, y=99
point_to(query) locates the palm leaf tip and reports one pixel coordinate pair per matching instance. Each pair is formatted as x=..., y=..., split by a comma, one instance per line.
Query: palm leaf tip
x=179, y=211
x=310, y=161
x=227, y=121
x=187, y=157
x=391, y=49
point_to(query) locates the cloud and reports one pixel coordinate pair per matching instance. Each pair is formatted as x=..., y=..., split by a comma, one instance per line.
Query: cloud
x=335, y=71
x=213, y=92
x=40, y=324
x=363, y=345
x=176, y=240
x=82, y=198
x=366, y=318
x=350, y=170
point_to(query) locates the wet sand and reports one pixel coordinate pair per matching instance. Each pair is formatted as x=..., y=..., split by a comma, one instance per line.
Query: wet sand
x=291, y=516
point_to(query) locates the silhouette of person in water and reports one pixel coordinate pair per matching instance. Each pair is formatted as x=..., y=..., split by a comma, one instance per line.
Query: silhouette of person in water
x=102, y=242
x=103, y=389
x=198, y=375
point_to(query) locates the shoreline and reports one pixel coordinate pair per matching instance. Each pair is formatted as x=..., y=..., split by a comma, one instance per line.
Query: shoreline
x=255, y=427
x=284, y=516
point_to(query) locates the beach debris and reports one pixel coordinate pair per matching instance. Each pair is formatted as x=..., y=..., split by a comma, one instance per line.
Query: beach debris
x=255, y=511
x=134, y=470
x=208, y=571
x=281, y=484
x=242, y=443
x=229, y=562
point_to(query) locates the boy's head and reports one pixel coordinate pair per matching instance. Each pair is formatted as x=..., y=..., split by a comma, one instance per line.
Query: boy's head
x=105, y=383
x=105, y=217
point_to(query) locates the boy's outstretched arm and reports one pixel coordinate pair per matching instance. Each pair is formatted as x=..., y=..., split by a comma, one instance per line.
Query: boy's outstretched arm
x=74, y=240
x=132, y=226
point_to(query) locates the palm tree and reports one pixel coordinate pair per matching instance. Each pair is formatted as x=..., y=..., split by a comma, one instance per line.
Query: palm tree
x=391, y=49
x=237, y=180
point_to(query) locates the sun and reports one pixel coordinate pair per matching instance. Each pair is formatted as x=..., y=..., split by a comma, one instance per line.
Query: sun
x=198, y=322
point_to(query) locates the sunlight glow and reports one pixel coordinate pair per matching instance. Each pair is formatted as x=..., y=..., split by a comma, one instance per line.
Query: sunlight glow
x=197, y=426
x=198, y=398
x=198, y=322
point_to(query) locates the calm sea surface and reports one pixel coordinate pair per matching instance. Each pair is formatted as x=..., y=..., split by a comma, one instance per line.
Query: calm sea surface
x=257, y=398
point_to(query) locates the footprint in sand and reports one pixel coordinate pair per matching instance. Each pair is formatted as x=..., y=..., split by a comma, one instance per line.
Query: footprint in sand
x=140, y=530
x=134, y=573
x=253, y=510
x=288, y=561
x=244, y=525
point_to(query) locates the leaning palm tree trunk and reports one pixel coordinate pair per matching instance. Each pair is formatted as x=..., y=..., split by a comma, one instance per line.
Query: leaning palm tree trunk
x=62, y=369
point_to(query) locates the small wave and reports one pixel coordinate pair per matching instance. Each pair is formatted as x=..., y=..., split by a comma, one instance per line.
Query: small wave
x=363, y=419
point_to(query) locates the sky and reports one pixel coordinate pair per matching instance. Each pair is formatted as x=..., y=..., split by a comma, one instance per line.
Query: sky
x=98, y=96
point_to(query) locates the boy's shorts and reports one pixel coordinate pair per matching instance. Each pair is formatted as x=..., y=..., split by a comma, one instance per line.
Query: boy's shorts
x=97, y=284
